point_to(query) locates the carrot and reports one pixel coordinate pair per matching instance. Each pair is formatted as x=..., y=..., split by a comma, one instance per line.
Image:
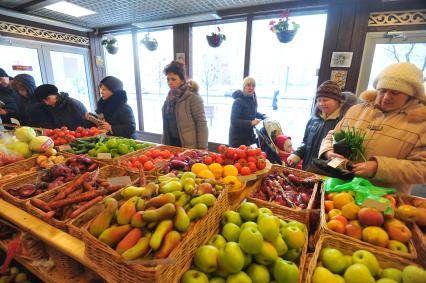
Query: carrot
x=49, y=214
x=79, y=181
x=75, y=193
x=113, y=188
x=92, y=167
x=84, y=207
x=40, y=204
x=105, y=184
x=88, y=186
x=84, y=196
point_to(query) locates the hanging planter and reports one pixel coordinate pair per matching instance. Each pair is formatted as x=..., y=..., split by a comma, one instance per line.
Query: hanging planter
x=281, y=28
x=110, y=43
x=150, y=43
x=215, y=39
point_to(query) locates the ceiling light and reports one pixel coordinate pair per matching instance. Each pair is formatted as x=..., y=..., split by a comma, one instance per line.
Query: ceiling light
x=69, y=9
x=179, y=20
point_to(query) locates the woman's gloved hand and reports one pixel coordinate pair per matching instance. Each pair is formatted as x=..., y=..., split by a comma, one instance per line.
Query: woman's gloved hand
x=293, y=159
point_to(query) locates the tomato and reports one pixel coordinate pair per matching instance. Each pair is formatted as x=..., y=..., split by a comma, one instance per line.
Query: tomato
x=242, y=147
x=80, y=129
x=143, y=158
x=230, y=152
x=92, y=132
x=242, y=161
x=252, y=166
x=208, y=160
x=252, y=159
x=137, y=164
x=221, y=148
x=213, y=156
x=133, y=159
x=85, y=133
x=261, y=164
x=166, y=154
x=78, y=135
x=219, y=159
x=148, y=153
x=64, y=128
x=149, y=165
x=251, y=152
x=245, y=171
x=72, y=133
x=258, y=151
x=263, y=154
x=238, y=166
x=129, y=164
x=47, y=132
x=241, y=153
x=155, y=153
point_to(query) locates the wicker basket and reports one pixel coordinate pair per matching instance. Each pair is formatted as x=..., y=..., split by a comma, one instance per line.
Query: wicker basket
x=66, y=266
x=301, y=215
x=117, y=161
x=385, y=259
x=21, y=168
x=105, y=172
x=116, y=270
x=412, y=254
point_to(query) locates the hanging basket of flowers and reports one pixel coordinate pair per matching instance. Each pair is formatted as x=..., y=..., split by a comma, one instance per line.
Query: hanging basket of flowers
x=110, y=43
x=150, y=43
x=282, y=28
x=215, y=39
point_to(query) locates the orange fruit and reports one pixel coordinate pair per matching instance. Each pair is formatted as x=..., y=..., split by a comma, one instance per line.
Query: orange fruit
x=206, y=174
x=198, y=167
x=216, y=169
x=350, y=211
x=341, y=199
x=230, y=170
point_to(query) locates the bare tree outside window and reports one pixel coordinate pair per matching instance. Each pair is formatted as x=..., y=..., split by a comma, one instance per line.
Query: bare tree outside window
x=210, y=73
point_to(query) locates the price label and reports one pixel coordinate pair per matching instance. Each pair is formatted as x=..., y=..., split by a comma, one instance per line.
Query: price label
x=380, y=206
x=64, y=147
x=15, y=121
x=47, y=144
x=122, y=180
x=336, y=162
x=104, y=155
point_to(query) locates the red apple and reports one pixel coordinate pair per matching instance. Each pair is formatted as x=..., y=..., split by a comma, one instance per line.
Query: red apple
x=399, y=232
x=340, y=218
x=328, y=205
x=336, y=226
x=353, y=230
x=370, y=217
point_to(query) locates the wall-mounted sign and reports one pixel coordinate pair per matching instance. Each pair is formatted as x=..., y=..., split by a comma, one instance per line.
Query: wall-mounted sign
x=22, y=68
x=339, y=76
x=341, y=59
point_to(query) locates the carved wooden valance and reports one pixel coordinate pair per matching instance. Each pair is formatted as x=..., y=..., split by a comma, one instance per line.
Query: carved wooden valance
x=397, y=18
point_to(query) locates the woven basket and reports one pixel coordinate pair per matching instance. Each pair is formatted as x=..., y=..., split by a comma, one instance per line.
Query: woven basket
x=412, y=254
x=105, y=172
x=21, y=168
x=386, y=260
x=66, y=266
x=301, y=215
x=118, y=160
x=116, y=270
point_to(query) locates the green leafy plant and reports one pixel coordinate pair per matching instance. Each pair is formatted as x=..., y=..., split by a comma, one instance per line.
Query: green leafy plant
x=283, y=23
x=217, y=36
x=354, y=139
x=109, y=40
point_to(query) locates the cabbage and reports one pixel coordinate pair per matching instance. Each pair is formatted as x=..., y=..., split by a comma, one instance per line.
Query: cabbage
x=41, y=144
x=20, y=148
x=25, y=134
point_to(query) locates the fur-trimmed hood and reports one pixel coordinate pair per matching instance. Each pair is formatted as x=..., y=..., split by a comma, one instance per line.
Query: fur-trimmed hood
x=416, y=111
x=192, y=85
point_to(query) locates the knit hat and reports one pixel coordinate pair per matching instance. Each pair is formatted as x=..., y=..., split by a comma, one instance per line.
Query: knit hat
x=44, y=91
x=26, y=81
x=112, y=83
x=3, y=73
x=404, y=77
x=331, y=90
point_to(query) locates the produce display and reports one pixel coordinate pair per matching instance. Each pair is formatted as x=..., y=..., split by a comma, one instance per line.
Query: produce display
x=335, y=266
x=369, y=224
x=102, y=144
x=285, y=188
x=63, y=135
x=253, y=246
x=150, y=221
x=414, y=210
x=13, y=275
x=150, y=159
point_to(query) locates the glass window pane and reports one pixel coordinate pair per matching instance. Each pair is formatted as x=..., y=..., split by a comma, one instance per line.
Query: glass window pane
x=153, y=82
x=287, y=71
x=19, y=57
x=386, y=54
x=69, y=75
x=121, y=65
x=219, y=71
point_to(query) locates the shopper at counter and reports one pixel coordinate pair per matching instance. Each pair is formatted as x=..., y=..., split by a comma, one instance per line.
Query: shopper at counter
x=244, y=115
x=8, y=97
x=394, y=120
x=331, y=105
x=55, y=109
x=24, y=85
x=113, y=108
x=184, y=120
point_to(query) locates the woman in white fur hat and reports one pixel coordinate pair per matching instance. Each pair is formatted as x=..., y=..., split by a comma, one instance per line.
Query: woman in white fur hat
x=394, y=120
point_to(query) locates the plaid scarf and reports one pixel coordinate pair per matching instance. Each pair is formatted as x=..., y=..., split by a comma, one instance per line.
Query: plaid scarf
x=172, y=97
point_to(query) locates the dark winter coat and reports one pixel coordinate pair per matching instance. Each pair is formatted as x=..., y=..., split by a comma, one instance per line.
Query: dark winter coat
x=244, y=110
x=316, y=130
x=118, y=114
x=190, y=118
x=25, y=103
x=67, y=112
x=9, y=97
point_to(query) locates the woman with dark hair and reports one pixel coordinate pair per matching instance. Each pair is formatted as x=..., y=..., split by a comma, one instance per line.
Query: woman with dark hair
x=113, y=108
x=184, y=120
x=24, y=85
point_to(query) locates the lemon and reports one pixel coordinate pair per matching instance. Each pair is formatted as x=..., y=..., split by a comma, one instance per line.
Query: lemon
x=198, y=167
x=206, y=174
x=230, y=170
x=233, y=183
x=217, y=169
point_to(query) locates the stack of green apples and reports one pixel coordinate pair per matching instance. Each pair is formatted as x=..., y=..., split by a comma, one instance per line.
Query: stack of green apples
x=149, y=221
x=253, y=246
x=361, y=267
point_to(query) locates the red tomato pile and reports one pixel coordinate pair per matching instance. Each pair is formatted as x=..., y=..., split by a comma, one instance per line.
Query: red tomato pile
x=62, y=135
x=148, y=159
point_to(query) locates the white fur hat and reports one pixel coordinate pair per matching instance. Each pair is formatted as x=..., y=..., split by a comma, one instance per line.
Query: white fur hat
x=404, y=77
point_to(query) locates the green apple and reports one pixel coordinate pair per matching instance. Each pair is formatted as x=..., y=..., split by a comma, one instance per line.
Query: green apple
x=339, y=278
x=293, y=255
x=358, y=273
x=205, y=258
x=231, y=216
x=297, y=224
x=294, y=237
x=251, y=240
x=392, y=273
x=240, y=277
x=194, y=276
x=285, y=271
x=217, y=280
x=413, y=274
x=349, y=259
x=280, y=245
x=248, y=211
x=258, y=273
x=248, y=224
x=218, y=241
x=265, y=210
x=283, y=223
x=231, y=258
x=323, y=275
x=386, y=280
x=334, y=260
x=368, y=259
x=268, y=227
x=220, y=272
x=267, y=255
x=397, y=246
x=248, y=258
x=231, y=232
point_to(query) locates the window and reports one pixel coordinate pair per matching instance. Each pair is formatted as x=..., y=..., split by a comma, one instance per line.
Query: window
x=153, y=82
x=121, y=65
x=285, y=73
x=219, y=71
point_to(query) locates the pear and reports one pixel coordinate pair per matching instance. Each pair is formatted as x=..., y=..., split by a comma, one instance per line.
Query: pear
x=358, y=273
x=231, y=258
x=258, y=273
x=322, y=275
x=392, y=273
x=368, y=259
x=334, y=260
x=267, y=255
x=413, y=274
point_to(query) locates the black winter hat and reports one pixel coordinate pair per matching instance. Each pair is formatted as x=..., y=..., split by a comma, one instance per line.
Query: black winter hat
x=26, y=81
x=3, y=73
x=44, y=91
x=112, y=83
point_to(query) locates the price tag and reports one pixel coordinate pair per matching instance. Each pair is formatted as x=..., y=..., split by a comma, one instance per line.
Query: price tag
x=336, y=162
x=47, y=144
x=15, y=121
x=104, y=155
x=380, y=206
x=122, y=180
x=64, y=147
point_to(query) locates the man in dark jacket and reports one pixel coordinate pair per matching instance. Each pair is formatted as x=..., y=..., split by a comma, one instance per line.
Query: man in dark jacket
x=56, y=109
x=8, y=97
x=24, y=85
